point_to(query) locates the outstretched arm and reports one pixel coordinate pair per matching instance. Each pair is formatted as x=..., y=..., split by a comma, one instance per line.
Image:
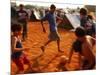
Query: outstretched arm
x=43, y=27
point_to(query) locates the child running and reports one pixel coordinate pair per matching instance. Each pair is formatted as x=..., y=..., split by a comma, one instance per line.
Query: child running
x=17, y=56
x=83, y=46
x=53, y=36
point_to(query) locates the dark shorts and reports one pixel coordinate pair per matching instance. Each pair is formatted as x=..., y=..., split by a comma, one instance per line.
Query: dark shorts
x=54, y=35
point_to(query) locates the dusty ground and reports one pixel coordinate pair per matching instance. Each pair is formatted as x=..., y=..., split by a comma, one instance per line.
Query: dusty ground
x=51, y=57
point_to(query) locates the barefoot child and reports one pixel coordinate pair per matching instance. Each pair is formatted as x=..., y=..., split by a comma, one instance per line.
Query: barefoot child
x=53, y=36
x=17, y=56
x=83, y=46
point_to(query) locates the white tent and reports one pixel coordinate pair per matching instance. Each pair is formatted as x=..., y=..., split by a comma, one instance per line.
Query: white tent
x=73, y=18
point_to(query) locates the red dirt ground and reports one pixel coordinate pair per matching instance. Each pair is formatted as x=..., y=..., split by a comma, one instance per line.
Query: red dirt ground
x=50, y=59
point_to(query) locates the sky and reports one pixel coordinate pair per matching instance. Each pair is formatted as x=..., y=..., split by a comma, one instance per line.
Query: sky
x=58, y=3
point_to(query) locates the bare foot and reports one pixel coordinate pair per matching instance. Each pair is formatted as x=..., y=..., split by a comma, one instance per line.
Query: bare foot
x=60, y=51
x=42, y=48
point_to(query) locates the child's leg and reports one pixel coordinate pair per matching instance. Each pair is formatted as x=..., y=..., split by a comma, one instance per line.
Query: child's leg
x=24, y=35
x=47, y=42
x=89, y=64
x=25, y=30
x=90, y=60
x=43, y=47
x=58, y=44
x=80, y=61
x=19, y=64
x=89, y=56
x=92, y=65
x=26, y=61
